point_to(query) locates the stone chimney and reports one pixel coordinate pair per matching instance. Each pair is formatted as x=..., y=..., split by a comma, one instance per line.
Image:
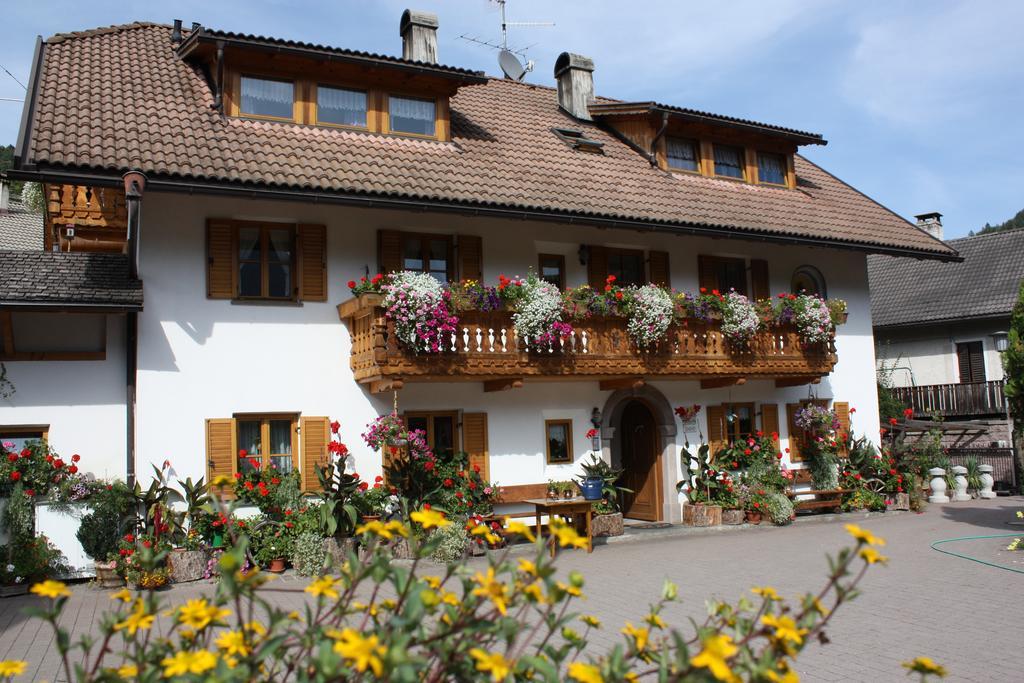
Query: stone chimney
x=419, y=36
x=931, y=223
x=575, y=76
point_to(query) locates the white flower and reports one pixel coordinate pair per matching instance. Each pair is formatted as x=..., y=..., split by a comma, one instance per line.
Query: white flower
x=538, y=310
x=649, y=315
x=739, y=318
x=813, y=319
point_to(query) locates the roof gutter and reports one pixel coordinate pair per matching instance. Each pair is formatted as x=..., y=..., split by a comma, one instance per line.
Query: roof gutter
x=373, y=201
x=78, y=307
x=945, y=321
x=27, y=111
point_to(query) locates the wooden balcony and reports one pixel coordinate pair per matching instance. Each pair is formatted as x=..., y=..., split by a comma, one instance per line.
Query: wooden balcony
x=487, y=349
x=973, y=399
x=98, y=215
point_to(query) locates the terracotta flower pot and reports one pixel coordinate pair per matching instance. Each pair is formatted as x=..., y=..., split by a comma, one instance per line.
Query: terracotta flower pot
x=107, y=576
x=753, y=517
x=276, y=565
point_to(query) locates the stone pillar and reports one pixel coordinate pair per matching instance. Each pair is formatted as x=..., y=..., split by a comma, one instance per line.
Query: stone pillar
x=937, y=485
x=961, y=484
x=986, y=482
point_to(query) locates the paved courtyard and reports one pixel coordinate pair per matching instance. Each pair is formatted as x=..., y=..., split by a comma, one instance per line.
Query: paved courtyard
x=965, y=615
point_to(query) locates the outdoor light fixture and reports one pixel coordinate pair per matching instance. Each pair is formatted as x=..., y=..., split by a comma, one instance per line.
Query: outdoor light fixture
x=1001, y=340
x=595, y=419
x=584, y=254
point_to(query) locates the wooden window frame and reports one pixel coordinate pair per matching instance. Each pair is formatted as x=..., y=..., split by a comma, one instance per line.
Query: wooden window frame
x=297, y=87
x=745, y=172
x=429, y=416
x=385, y=115
x=425, y=251
x=956, y=355
x=785, y=168
x=561, y=267
x=568, y=441
x=732, y=435
x=22, y=431
x=610, y=251
x=715, y=261
x=314, y=103
x=265, y=229
x=265, y=419
x=696, y=149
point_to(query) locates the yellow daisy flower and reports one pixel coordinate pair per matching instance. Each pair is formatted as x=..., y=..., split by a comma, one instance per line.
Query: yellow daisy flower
x=12, y=667
x=493, y=663
x=714, y=657
x=925, y=665
x=591, y=621
x=655, y=620
x=566, y=535
x=527, y=567
x=870, y=555
x=513, y=527
x=492, y=589
x=360, y=652
x=785, y=628
x=128, y=671
x=863, y=535
x=198, y=614
x=324, y=586
x=429, y=519
x=766, y=592
x=51, y=589
x=639, y=635
x=585, y=673
x=124, y=595
x=232, y=643
x=183, y=663
x=138, y=619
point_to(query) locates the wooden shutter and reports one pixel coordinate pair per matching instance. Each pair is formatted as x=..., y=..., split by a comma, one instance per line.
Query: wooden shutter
x=471, y=258
x=759, y=285
x=707, y=272
x=220, y=259
x=221, y=449
x=971, y=362
x=716, y=429
x=794, y=433
x=657, y=268
x=389, y=251
x=315, y=433
x=842, y=409
x=597, y=267
x=769, y=418
x=311, y=247
x=474, y=442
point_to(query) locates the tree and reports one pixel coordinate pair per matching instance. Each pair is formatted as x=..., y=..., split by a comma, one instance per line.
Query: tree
x=1013, y=369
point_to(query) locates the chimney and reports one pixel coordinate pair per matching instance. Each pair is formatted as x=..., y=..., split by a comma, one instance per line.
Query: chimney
x=575, y=76
x=419, y=36
x=931, y=223
x=5, y=195
x=176, y=33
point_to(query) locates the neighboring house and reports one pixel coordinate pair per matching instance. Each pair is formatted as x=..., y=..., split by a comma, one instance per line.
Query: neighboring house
x=19, y=227
x=940, y=328
x=276, y=171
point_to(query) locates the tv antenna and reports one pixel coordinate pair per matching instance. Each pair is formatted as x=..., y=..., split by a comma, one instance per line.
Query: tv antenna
x=512, y=60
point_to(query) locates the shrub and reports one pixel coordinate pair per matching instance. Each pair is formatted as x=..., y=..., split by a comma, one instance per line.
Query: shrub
x=778, y=508
x=99, y=533
x=863, y=499
x=308, y=554
x=452, y=541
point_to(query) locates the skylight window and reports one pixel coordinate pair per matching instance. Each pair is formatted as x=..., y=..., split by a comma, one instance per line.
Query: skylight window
x=576, y=140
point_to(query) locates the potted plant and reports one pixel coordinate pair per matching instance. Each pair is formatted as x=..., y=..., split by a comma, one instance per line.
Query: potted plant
x=607, y=519
x=553, y=489
x=704, y=486
x=756, y=505
x=271, y=546
x=343, y=498
x=187, y=561
x=568, y=489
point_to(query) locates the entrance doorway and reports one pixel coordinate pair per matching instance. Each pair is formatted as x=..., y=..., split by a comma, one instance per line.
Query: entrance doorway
x=640, y=447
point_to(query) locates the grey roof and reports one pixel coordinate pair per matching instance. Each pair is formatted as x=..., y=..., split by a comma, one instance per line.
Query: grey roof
x=20, y=228
x=46, y=278
x=985, y=285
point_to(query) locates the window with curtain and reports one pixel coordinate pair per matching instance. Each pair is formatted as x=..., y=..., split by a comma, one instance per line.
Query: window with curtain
x=558, y=438
x=411, y=115
x=771, y=168
x=267, y=97
x=268, y=443
x=340, y=106
x=428, y=254
x=14, y=439
x=551, y=269
x=441, y=430
x=728, y=161
x=682, y=154
x=627, y=265
x=739, y=420
x=265, y=256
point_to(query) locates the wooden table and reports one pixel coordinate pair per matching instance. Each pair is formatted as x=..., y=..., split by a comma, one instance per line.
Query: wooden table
x=564, y=507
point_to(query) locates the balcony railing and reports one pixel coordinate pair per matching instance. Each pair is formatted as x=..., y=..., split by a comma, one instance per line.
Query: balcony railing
x=960, y=400
x=486, y=348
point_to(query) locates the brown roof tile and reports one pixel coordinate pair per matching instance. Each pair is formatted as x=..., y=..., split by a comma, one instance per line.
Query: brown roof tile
x=119, y=98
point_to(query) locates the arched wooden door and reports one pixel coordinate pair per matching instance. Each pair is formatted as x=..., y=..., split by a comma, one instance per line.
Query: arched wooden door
x=640, y=448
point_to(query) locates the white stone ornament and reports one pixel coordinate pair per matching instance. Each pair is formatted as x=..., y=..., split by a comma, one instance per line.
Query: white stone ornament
x=986, y=482
x=961, y=484
x=937, y=485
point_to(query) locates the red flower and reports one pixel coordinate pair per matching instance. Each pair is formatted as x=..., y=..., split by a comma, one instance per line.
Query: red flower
x=458, y=494
x=448, y=483
x=893, y=420
x=122, y=552
x=26, y=453
x=899, y=489
x=377, y=278
x=255, y=462
x=289, y=525
x=857, y=476
x=49, y=458
x=610, y=279
x=747, y=451
x=779, y=455
x=147, y=544
x=351, y=284
x=11, y=457
x=335, y=426
x=426, y=506
x=238, y=475
x=15, y=475
x=715, y=292
x=363, y=486
x=908, y=413
x=242, y=453
x=618, y=295
x=735, y=465
x=472, y=486
x=130, y=538
x=428, y=465
x=476, y=468
x=249, y=486
x=58, y=463
x=76, y=457
x=288, y=512
x=30, y=492
x=275, y=481
x=378, y=479
x=264, y=493
x=892, y=472
x=591, y=433
x=703, y=290
x=73, y=469
x=853, y=410
x=756, y=504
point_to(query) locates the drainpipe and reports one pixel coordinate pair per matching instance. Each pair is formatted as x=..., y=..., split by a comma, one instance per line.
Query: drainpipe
x=134, y=185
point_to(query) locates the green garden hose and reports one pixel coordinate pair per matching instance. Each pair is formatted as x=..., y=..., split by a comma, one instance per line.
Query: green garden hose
x=974, y=559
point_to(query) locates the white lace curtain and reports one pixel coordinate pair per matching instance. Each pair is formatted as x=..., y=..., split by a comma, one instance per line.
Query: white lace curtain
x=343, y=107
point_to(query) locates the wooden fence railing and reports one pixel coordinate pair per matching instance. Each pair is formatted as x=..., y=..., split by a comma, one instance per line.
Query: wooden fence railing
x=961, y=400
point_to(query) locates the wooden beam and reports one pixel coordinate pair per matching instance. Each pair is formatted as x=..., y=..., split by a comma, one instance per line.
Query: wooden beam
x=781, y=382
x=503, y=384
x=7, y=343
x=620, y=383
x=383, y=385
x=719, y=382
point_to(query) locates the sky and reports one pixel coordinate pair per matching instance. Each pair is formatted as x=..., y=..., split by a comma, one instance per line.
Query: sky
x=922, y=102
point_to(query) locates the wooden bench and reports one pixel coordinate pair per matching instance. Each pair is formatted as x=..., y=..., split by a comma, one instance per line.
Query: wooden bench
x=821, y=499
x=518, y=495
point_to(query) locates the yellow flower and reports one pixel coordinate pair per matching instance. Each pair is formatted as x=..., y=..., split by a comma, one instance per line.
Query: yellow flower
x=482, y=529
x=294, y=615
x=527, y=567
x=429, y=519
x=816, y=603
x=51, y=589
x=655, y=620
x=534, y=592
x=361, y=652
x=198, y=614
x=785, y=628
x=591, y=621
x=571, y=590
x=566, y=535
x=585, y=673
x=492, y=589
x=128, y=671
x=519, y=528
x=717, y=650
x=495, y=663
x=138, y=619
x=871, y=556
x=450, y=598
x=255, y=627
x=124, y=595
x=925, y=665
x=232, y=643
x=432, y=581
x=386, y=531
x=189, y=662
x=787, y=677
x=767, y=592
x=323, y=586
x=12, y=667
x=863, y=535
x=221, y=480
x=639, y=635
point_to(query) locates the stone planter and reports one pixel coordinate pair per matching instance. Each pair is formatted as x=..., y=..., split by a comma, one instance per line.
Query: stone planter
x=897, y=501
x=733, y=517
x=13, y=590
x=986, y=482
x=107, y=576
x=960, y=494
x=937, y=485
x=185, y=565
x=702, y=515
x=607, y=525
x=336, y=551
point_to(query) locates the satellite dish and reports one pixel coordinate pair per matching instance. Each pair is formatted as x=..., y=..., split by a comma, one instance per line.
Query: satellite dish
x=509, y=63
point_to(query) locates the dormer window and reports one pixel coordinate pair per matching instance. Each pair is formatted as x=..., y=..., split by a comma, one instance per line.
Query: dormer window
x=341, y=106
x=683, y=155
x=771, y=169
x=265, y=97
x=412, y=116
x=728, y=161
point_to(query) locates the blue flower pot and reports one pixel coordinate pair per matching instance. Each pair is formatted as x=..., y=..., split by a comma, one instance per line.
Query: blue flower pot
x=591, y=488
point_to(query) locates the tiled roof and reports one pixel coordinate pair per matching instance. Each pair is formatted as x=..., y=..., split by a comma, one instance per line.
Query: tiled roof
x=20, y=228
x=111, y=100
x=906, y=292
x=47, y=278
